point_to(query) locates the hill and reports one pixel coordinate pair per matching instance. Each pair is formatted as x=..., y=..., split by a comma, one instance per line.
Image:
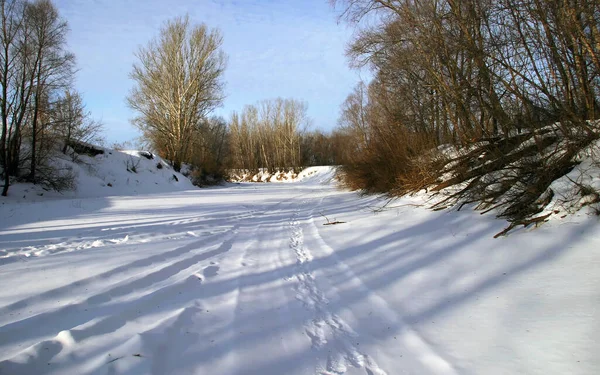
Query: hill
x=111, y=173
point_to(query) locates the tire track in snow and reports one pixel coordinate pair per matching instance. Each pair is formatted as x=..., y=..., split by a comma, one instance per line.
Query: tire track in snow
x=230, y=315
x=93, y=238
x=249, y=298
x=183, y=331
x=224, y=306
x=326, y=330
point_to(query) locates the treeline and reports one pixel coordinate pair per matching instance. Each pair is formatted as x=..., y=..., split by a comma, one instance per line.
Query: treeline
x=179, y=82
x=273, y=135
x=460, y=73
x=40, y=110
x=269, y=136
x=445, y=73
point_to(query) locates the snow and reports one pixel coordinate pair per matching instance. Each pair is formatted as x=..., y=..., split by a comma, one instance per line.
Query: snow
x=265, y=176
x=114, y=173
x=246, y=279
x=576, y=191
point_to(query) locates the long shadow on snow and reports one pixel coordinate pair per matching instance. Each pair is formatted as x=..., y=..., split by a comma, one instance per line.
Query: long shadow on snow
x=119, y=228
x=453, y=301
x=199, y=214
x=59, y=319
x=373, y=282
x=49, y=323
x=450, y=301
x=234, y=223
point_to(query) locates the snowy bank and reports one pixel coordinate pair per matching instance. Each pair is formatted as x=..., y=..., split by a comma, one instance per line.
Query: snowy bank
x=110, y=174
x=281, y=176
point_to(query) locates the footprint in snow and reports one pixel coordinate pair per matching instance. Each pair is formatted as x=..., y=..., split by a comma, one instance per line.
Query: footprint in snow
x=211, y=271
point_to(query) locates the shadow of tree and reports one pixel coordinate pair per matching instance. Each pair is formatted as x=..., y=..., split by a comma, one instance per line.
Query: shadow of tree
x=349, y=275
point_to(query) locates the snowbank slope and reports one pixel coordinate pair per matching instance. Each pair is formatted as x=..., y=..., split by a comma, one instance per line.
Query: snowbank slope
x=109, y=174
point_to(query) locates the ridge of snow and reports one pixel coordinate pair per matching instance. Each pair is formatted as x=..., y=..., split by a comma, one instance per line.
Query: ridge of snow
x=108, y=174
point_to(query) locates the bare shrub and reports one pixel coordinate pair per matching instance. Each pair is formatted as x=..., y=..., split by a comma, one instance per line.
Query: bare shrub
x=52, y=174
x=512, y=175
x=132, y=164
x=511, y=85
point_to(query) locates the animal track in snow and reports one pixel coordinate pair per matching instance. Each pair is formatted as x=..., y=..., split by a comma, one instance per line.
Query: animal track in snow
x=211, y=271
x=327, y=331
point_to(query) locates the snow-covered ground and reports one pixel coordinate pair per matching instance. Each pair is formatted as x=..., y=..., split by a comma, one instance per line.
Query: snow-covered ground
x=246, y=279
x=113, y=173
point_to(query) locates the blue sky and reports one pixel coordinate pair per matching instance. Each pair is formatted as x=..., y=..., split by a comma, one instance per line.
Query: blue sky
x=288, y=48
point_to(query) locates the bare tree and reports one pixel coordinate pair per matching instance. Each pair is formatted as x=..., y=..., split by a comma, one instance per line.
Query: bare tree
x=493, y=76
x=318, y=148
x=208, y=151
x=178, y=83
x=34, y=65
x=268, y=135
x=53, y=65
x=72, y=123
x=12, y=22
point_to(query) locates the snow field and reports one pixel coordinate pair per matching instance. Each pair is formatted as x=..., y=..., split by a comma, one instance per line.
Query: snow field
x=245, y=279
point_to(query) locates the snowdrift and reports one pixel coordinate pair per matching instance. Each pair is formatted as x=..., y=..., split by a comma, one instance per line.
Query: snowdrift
x=113, y=173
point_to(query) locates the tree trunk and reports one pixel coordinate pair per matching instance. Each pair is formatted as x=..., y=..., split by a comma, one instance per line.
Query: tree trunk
x=177, y=165
x=31, y=176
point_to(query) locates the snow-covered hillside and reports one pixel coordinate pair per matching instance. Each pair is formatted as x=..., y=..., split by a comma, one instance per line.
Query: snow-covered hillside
x=109, y=174
x=246, y=279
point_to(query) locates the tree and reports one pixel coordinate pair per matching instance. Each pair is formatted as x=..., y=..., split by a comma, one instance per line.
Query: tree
x=34, y=65
x=53, y=66
x=268, y=135
x=512, y=85
x=458, y=72
x=12, y=22
x=72, y=123
x=208, y=157
x=178, y=82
